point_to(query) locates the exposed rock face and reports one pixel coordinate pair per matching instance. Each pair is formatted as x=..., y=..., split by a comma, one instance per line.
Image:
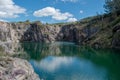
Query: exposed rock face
x=116, y=37
x=41, y=33
x=71, y=33
x=16, y=69
x=12, y=32
x=21, y=32
x=10, y=48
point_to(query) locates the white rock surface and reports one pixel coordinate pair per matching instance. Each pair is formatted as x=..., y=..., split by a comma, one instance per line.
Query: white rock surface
x=16, y=69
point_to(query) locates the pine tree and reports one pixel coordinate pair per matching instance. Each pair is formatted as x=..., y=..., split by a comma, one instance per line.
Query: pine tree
x=112, y=6
x=109, y=6
x=116, y=5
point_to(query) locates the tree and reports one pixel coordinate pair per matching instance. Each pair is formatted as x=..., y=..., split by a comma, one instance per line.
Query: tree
x=112, y=6
x=116, y=5
x=108, y=6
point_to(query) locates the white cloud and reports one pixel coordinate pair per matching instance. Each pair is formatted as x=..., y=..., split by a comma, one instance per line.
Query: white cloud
x=54, y=13
x=81, y=11
x=8, y=9
x=72, y=20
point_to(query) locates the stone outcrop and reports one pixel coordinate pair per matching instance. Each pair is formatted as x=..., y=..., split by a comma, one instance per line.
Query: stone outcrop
x=116, y=37
x=41, y=33
x=16, y=69
x=12, y=32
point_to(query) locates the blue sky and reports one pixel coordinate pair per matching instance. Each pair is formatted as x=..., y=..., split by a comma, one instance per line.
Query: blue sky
x=50, y=11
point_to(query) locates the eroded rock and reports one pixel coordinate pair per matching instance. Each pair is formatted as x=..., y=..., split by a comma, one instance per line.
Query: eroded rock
x=116, y=37
x=16, y=69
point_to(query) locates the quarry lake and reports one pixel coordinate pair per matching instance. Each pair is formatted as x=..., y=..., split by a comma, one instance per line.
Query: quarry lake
x=66, y=61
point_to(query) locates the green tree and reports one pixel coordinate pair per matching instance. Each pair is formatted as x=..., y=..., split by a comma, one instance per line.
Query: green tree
x=112, y=6
x=108, y=6
x=116, y=5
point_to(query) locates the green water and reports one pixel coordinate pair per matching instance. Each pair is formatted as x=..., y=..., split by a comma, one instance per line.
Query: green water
x=66, y=61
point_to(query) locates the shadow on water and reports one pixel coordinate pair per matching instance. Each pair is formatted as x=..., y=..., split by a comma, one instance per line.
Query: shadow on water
x=66, y=61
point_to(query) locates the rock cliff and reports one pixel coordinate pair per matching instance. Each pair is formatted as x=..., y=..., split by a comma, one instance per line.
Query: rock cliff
x=12, y=32
x=81, y=33
x=40, y=33
x=21, y=32
x=116, y=37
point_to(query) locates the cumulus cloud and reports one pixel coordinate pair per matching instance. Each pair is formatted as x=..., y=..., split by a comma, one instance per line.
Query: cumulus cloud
x=72, y=20
x=54, y=13
x=8, y=9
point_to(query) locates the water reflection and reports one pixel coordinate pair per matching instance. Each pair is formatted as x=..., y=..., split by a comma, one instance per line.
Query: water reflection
x=68, y=68
x=38, y=51
x=51, y=64
x=66, y=61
